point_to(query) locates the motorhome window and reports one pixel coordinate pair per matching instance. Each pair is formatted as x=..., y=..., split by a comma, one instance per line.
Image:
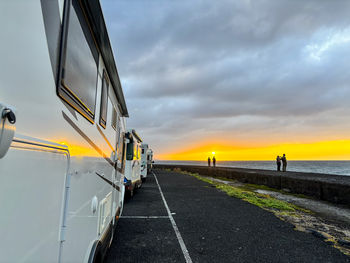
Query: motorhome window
x=143, y=151
x=119, y=144
x=119, y=133
x=114, y=119
x=79, y=69
x=119, y=139
x=130, y=151
x=123, y=150
x=104, y=102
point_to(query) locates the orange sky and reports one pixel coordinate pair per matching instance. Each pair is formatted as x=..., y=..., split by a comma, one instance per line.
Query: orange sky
x=322, y=150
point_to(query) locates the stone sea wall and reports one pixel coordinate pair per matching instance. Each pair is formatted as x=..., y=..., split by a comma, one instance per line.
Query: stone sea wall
x=327, y=187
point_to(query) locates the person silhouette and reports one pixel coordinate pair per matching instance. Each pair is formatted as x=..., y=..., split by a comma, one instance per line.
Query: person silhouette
x=214, y=161
x=209, y=161
x=284, y=163
x=278, y=162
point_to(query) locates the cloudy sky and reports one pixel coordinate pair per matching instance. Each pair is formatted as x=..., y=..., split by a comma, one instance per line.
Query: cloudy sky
x=246, y=79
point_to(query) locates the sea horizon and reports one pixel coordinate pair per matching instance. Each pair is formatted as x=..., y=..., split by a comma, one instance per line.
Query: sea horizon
x=337, y=167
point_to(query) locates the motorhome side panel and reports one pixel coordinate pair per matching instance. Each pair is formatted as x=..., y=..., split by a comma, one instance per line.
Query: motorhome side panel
x=133, y=162
x=144, y=152
x=117, y=131
x=120, y=166
x=31, y=200
x=136, y=163
x=33, y=172
x=149, y=160
x=54, y=149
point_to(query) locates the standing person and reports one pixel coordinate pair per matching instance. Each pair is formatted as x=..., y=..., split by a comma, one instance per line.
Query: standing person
x=278, y=161
x=209, y=161
x=284, y=162
x=214, y=161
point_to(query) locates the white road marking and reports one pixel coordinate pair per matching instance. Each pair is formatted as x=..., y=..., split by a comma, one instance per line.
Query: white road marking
x=144, y=217
x=177, y=232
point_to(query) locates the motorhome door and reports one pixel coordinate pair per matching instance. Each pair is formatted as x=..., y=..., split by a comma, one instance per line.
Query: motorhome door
x=33, y=175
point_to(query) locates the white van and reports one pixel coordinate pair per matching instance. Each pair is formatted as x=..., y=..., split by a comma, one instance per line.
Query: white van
x=149, y=160
x=144, y=155
x=132, y=178
x=62, y=129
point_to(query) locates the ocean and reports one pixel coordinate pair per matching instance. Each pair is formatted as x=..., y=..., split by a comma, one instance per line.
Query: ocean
x=326, y=167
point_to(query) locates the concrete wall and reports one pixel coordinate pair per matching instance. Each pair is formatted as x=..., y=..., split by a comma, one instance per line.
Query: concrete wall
x=332, y=188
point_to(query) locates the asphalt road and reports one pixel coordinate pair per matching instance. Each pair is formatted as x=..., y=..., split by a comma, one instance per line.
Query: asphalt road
x=213, y=226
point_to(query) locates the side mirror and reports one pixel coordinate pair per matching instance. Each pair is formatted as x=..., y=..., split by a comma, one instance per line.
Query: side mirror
x=130, y=151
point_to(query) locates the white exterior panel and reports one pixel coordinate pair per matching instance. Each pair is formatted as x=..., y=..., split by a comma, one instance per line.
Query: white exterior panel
x=58, y=163
x=144, y=151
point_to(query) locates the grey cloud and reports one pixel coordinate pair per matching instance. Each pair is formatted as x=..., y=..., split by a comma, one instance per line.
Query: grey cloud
x=205, y=65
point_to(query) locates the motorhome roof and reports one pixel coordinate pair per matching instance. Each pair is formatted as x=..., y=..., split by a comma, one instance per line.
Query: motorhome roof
x=136, y=136
x=94, y=12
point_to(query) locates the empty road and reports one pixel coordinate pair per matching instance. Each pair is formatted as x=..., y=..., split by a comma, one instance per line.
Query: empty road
x=177, y=218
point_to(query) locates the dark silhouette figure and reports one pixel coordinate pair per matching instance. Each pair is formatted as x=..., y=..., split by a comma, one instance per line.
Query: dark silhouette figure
x=209, y=161
x=278, y=162
x=214, y=161
x=284, y=162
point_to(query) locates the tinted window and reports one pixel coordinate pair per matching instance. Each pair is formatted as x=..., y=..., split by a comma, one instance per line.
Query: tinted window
x=79, y=66
x=130, y=151
x=114, y=119
x=123, y=150
x=120, y=145
x=104, y=102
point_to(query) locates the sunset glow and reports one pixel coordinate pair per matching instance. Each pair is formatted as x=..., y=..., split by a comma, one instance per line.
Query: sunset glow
x=324, y=150
x=232, y=89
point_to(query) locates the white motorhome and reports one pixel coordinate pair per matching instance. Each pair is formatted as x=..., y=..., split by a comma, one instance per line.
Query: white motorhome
x=149, y=160
x=62, y=129
x=132, y=179
x=144, y=156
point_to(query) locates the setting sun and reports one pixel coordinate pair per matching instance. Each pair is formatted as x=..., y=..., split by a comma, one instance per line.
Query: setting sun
x=323, y=150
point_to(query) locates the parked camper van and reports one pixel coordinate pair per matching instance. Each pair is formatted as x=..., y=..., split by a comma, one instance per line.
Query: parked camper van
x=132, y=178
x=62, y=129
x=144, y=155
x=149, y=160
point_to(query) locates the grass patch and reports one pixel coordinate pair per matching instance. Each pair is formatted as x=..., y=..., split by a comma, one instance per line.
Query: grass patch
x=246, y=193
x=261, y=200
x=254, y=187
x=264, y=187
